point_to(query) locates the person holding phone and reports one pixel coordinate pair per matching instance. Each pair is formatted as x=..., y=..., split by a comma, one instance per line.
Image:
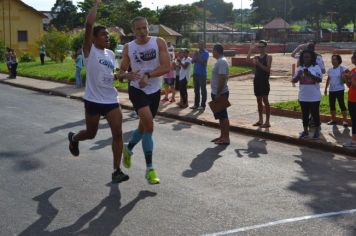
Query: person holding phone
x=309, y=76
x=261, y=85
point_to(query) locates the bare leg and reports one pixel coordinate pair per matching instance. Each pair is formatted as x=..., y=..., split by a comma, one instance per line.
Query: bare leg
x=114, y=119
x=92, y=123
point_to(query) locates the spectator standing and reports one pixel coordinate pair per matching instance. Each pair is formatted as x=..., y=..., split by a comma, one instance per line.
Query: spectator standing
x=13, y=64
x=200, y=61
x=337, y=89
x=261, y=85
x=220, y=90
x=351, y=83
x=309, y=76
x=184, y=76
x=42, y=53
x=79, y=63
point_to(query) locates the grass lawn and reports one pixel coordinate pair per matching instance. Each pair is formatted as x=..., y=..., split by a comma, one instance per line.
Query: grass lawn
x=324, y=105
x=66, y=71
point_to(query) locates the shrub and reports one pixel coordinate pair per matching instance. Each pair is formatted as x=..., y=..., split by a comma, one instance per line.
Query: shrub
x=26, y=57
x=57, y=44
x=113, y=40
x=77, y=40
x=186, y=43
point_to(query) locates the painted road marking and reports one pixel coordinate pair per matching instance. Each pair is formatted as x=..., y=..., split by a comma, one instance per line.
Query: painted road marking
x=286, y=221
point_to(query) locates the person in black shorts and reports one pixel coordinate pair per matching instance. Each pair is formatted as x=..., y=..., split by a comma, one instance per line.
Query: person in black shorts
x=149, y=59
x=100, y=96
x=261, y=85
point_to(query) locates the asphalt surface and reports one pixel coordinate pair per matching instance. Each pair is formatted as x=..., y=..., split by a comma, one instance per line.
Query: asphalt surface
x=204, y=188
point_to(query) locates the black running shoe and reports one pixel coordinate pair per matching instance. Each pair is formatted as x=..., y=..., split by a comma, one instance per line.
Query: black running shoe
x=118, y=176
x=73, y=146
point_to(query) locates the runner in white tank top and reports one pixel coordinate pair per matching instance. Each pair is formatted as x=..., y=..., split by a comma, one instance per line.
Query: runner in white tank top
x=100, y=97
x=149, y=59
x=145, y=58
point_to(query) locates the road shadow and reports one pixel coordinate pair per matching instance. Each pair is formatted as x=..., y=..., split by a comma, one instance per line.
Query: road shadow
x=340, y=137
x=27, y=160
x=107, y=142
x=204, y=161
x=74, y=124
x=330, y=182
x=103, y=219
x=255, y=148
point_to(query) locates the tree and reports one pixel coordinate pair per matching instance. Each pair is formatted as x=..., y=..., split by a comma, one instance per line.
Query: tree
x=117, y=12
x=221, y=11
x=263, y=11
x=178, y=17
x=57, y=44
x=66, y=15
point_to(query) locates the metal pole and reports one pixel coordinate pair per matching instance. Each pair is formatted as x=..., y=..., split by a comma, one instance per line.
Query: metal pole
x=241, y=18
x=285, y=27
x=204, y=23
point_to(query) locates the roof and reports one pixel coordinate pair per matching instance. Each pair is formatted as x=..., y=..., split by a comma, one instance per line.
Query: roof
x=212, y=27
x=277, y=23
x=33, y=9
x=163, y=30
x=170, y=31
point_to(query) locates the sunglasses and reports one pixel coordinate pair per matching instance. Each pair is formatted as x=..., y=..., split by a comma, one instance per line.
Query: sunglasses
x=261, y=46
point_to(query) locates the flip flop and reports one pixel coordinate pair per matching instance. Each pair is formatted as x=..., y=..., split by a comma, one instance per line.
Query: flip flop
x=222, y=143
x=214, y=140
x=265, y=126
x=257, y=124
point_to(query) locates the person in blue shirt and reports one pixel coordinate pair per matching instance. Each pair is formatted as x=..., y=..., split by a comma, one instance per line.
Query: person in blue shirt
x=200, y=60
x=78, y=66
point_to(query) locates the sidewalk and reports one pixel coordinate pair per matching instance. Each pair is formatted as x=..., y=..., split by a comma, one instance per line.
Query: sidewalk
x=242, y=113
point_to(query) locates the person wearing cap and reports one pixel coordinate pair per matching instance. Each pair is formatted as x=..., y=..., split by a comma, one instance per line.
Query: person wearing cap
x=200, y=61
x=261, y=85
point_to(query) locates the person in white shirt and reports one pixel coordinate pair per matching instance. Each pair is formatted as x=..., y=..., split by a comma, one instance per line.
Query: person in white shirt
x=100, y=96
x=184, y=76
x=149, y=59
x=309, y=76
x=337, y=89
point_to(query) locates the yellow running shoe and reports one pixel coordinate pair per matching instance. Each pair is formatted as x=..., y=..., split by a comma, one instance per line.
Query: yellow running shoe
x=127, y=156
x=152, y=177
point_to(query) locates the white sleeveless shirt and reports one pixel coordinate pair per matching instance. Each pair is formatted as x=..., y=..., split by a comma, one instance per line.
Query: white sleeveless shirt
x=100, y=65
x=145, y=58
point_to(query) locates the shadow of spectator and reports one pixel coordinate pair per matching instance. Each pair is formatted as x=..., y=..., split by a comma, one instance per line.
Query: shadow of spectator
x=255, y=147
x=74, y=124
x=330, y=183
x=107, y=142
x=204, y=161
x=340, y=137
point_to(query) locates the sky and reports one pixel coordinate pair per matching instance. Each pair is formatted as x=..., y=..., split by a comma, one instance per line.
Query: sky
x=46, y=5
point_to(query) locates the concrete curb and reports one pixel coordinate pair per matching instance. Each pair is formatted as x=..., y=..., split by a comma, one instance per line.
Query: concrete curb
x=234, y=128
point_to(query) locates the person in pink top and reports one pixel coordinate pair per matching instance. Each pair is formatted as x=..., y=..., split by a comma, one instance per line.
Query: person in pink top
x=169, y=83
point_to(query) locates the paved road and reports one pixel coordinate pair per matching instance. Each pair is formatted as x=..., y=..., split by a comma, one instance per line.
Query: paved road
x=205, y=188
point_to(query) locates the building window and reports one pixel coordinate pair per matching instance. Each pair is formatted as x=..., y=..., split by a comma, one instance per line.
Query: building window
x=22, y=36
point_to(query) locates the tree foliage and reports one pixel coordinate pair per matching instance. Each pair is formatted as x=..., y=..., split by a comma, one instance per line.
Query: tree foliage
x=66, y=15
x=57, y=44
x=340, y=12
x=178, y=17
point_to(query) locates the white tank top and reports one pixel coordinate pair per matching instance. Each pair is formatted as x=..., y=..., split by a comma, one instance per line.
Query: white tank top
x=99, y=87
x=145, y=58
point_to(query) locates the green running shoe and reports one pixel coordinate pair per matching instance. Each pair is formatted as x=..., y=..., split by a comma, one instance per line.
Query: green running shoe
x=127, y=156
x=152, y=177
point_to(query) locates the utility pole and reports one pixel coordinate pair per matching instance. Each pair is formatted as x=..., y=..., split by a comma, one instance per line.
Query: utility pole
x=204, y=22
